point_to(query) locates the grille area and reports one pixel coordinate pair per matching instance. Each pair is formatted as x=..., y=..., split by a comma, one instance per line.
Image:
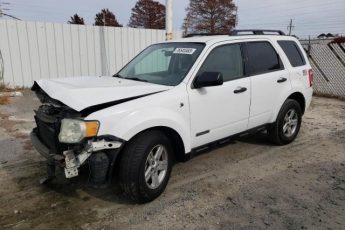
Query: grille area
x=48, y=120
x=48, y=134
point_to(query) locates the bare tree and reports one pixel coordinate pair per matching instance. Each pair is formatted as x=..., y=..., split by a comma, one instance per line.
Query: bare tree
x=210, y=16
x=106, y=18
x=148, y=14
x=76, y=19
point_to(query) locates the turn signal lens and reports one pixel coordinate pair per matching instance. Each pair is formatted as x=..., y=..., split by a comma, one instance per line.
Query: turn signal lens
x=91, y=128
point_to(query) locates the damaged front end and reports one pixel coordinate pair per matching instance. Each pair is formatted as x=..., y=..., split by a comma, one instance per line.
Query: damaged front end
x=65, y=139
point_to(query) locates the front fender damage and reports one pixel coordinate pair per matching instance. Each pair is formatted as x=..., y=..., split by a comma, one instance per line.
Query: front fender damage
x=100, y=154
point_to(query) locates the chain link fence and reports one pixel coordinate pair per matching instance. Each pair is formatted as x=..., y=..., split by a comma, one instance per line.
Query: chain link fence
x=327, y=59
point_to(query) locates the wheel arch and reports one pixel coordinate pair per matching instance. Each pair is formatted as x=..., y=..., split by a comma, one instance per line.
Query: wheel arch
x=175, y=138
x=299, y=97
x=294, y=95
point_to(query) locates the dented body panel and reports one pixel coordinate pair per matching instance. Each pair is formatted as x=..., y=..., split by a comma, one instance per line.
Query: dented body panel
x=82, y=92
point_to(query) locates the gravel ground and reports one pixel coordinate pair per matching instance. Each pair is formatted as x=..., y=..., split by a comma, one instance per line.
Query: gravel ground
x=245, y=184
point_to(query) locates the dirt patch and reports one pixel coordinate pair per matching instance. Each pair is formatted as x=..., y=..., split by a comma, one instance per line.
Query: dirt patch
x=5, y=93
x=4, y=100
x=10, y=126
x=245, y=184
x=27, y=145
x=7, y=88
x=342, y=98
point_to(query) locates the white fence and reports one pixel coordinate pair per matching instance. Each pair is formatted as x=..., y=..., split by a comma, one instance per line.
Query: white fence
x=35, y=50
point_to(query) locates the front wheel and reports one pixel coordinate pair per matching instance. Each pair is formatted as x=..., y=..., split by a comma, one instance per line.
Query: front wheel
x=146, y=166
x=288, y=123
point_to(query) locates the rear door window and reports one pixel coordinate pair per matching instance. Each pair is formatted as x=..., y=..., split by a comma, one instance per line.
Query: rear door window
x=293, y=53
x=262, y=58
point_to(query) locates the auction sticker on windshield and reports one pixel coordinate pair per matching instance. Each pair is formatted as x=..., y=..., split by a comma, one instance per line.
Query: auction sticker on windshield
x=189, y=51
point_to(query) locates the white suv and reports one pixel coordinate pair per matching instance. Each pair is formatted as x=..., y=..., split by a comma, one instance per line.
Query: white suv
x=171, y=100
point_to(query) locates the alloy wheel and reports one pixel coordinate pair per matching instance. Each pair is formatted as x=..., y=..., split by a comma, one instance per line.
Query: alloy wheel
x=290, y=123
x=156, y=166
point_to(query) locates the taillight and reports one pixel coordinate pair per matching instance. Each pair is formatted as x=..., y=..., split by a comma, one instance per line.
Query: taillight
x=311, y=77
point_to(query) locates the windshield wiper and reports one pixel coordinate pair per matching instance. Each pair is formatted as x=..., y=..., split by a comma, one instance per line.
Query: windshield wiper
x=129, y=78
x=118, y=76
x=136, y=79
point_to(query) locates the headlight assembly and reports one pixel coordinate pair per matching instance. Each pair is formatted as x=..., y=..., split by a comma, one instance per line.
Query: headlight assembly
x=73, y=131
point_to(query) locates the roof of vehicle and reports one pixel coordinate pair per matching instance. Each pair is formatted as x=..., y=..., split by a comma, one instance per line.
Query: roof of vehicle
x=209, y=40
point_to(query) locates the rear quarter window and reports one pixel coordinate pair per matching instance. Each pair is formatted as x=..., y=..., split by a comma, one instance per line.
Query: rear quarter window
x=293, y=53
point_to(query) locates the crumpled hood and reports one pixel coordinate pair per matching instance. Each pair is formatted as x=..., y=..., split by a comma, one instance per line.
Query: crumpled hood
x=80, y=93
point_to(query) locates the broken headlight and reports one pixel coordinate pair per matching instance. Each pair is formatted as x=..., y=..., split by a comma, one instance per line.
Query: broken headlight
x=73, y=131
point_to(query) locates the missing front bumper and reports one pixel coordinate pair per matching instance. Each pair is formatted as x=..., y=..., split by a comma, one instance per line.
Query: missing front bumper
x=72, y=160
x=42, y=149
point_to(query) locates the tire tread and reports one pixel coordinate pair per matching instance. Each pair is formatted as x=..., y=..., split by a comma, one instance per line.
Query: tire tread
x=130, y=165
x=274, y=132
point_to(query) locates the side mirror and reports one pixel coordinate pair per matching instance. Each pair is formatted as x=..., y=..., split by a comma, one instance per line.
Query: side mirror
x=208, y=79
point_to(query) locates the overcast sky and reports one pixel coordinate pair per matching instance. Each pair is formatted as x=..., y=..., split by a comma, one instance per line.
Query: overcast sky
x=310, y=17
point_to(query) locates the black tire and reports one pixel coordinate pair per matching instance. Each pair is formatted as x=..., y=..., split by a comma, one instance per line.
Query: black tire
x=132, y=166
x=276, y=131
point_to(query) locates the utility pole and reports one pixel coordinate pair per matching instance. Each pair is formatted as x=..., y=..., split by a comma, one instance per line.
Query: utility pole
x=309, y=46
x=290, y=27
x=168, y=19
x=185, y=26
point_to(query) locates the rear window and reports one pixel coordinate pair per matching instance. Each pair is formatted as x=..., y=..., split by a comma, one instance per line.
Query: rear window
x=262, y=58
x=293, y=53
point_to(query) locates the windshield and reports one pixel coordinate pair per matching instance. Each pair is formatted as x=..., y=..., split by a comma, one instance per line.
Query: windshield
x=164, y=64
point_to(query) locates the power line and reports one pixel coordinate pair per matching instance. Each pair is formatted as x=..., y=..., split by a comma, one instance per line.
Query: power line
x=318, y=27
x=266, y=9
x=311, y=29
x=47, y=8
x=331, y=22
x=326, y=29
x=296, y=26
x=299, y=15
x=280, y=5
x=6, y=9
x=301, y=7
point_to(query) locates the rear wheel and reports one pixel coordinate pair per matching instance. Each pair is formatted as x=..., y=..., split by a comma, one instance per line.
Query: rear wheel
x=146, y=166
x=288, y=123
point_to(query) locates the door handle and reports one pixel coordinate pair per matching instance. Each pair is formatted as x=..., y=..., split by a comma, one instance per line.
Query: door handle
x=281, y=80
x=240, y=90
